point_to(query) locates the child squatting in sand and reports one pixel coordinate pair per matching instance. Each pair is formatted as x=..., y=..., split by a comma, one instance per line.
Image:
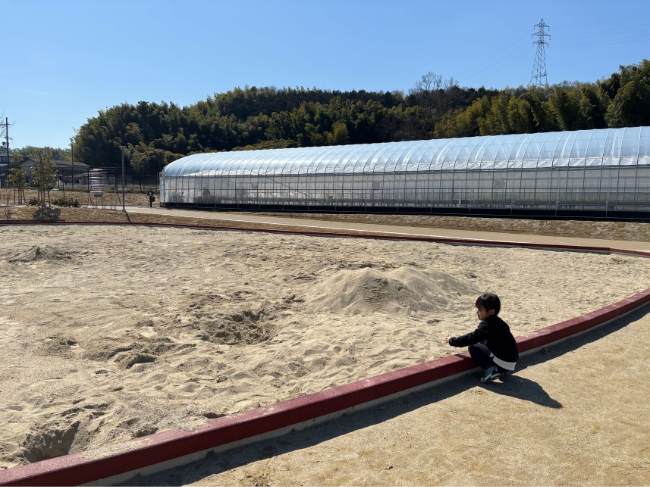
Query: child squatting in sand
x=491, y=345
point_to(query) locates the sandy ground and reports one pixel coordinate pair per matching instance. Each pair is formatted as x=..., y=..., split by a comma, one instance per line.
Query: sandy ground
x=110, y=333
x=575, y=413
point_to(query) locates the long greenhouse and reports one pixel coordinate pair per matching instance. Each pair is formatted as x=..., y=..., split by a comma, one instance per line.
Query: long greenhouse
x=602, y=172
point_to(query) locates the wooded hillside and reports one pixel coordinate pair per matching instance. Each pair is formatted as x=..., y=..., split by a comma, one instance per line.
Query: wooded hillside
x=264, y=118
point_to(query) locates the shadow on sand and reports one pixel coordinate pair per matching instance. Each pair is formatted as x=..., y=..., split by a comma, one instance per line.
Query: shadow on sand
x=513, y=386
x=524, y=389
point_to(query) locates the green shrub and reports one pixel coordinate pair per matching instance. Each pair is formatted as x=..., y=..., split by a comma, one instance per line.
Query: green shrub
x=63, y=201
x=47, y=214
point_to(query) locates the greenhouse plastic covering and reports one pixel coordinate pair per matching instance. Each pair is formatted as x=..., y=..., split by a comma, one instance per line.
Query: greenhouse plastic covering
x=606, y=147
x=524, y=168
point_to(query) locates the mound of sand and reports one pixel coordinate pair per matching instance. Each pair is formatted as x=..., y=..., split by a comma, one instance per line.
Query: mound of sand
x=40, y=253
x=366, y=290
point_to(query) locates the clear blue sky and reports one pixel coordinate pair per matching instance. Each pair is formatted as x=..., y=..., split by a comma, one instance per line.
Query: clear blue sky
x=63, y=60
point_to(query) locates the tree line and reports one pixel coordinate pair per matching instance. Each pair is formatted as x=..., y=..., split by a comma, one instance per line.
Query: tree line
x=622, y=100
x=36, y=153
x=156, y=134
x=265, y=118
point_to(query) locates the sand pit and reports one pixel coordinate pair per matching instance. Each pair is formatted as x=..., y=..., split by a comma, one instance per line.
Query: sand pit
x=114, y=333
x=575, y=413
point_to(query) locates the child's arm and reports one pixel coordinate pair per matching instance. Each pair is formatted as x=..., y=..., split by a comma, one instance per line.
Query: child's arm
x=471, y=338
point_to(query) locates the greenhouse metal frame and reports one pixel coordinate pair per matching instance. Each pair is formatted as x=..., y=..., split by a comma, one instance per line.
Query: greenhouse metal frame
x=602, y=172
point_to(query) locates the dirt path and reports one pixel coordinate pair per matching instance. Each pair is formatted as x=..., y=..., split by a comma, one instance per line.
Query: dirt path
x=612, y=234
x=398, y=225
x=574, y=414
x=558, y=228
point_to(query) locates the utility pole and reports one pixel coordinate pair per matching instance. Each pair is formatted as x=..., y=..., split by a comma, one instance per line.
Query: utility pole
x=72, y=160
x=123, y=206
x=538, y=77
x=7, y=136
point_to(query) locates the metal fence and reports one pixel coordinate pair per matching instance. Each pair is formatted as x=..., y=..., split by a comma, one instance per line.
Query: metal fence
x=104, y=178
x=84, y=178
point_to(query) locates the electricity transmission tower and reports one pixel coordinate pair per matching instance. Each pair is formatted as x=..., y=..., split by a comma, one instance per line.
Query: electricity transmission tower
x=538, y=78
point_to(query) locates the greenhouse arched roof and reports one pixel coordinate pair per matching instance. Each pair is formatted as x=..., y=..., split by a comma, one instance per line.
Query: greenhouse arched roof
x=598, y=147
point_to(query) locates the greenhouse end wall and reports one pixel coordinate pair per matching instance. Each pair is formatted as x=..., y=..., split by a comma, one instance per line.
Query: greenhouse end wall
x=599, y=170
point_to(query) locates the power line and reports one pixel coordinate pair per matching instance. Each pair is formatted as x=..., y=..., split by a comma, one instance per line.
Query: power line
x=538, y=77
x=588, y=43
x=606, y=21
x=623, y=29
x=489, y=61
x=509, y=58
x=506, y=62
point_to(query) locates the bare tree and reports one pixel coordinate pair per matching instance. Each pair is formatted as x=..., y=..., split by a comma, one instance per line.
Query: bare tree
x=44, y=175
x=435, y=97
x=17, y=179
x=429, y=82
x=7, y=209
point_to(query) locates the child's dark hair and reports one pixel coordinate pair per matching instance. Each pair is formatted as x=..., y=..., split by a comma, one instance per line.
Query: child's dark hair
x=489, y=301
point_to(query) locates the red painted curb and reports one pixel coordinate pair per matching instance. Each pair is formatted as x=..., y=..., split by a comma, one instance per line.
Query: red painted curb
x=136, y=454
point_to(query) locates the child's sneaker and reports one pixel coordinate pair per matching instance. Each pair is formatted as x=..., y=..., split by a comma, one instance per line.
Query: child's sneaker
x=491, y=374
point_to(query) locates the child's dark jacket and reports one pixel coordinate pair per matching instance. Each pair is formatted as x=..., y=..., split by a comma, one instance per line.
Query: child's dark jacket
x=495, y=334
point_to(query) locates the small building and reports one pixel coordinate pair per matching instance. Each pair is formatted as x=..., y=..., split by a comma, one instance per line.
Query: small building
x=70, y=173
x=67, y=170
x=4, y=168
x=30, y=162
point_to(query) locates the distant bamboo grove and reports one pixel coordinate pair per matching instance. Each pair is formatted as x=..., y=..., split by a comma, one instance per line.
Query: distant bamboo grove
x=265, y=118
